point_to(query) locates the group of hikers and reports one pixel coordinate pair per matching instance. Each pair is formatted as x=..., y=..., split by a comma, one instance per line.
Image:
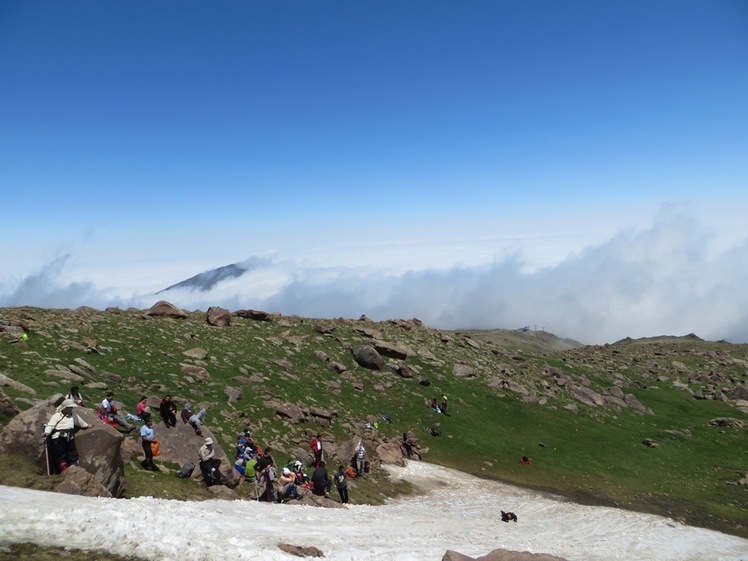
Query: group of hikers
x=252, y=462
x=59, y=432
x=258, y=465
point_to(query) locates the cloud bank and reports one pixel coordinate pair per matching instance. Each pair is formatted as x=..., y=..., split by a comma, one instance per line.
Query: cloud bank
x=669, y=279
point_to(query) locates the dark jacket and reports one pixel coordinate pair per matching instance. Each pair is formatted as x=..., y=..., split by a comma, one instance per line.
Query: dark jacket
x=319, y=478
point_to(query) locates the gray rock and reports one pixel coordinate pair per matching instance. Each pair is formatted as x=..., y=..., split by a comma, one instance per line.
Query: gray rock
x=218, y=317
x=368, y=357
x=162, y=308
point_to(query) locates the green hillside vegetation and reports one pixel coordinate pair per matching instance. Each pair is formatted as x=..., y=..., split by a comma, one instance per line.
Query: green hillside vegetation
x=589, y=453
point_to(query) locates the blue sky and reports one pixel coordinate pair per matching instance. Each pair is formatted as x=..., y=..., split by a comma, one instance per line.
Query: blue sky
x=426, y=145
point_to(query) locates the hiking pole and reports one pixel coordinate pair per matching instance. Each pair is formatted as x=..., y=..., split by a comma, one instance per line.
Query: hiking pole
x=46, y=451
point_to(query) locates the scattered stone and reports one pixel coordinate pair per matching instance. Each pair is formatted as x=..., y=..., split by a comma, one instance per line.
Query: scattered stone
x=300, y=551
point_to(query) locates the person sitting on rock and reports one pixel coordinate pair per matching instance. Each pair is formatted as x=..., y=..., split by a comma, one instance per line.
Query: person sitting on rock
x=209, y=464
x=110, y=414
x=186, y=412
x=298, y=471
x=287, y=486
x=75, y=395
x=321, y=483
x=196, y=420
x=168, y=410
x=142, y=410
x=59, y=434
x=245, y=446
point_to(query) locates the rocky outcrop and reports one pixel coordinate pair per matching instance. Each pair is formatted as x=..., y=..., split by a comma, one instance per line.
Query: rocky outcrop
x=99, y=448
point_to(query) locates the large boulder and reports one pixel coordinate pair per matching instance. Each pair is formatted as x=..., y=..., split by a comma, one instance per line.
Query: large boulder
x=77, y=481
x=99, y=448
x=390, y=453
x=180, y=444
x=392, y=351
x=368, y=357
x=218, y=317
x=464, y=371
x=162, y=308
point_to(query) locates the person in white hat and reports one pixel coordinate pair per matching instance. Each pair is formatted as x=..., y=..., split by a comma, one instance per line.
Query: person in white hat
x=286, y=486
x=209, y=464
x=59, y=435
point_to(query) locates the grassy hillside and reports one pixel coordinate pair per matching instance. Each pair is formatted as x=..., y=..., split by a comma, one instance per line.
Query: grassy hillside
x=521, y=397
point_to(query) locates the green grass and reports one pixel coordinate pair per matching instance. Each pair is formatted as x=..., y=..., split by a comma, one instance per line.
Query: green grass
x=595, y=456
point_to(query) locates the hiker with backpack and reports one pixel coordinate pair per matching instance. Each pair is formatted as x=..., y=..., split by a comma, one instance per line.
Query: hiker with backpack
x=59, y=435
x=148, y=436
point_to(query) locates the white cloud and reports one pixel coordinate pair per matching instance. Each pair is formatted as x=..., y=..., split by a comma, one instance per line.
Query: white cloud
x=671, y=278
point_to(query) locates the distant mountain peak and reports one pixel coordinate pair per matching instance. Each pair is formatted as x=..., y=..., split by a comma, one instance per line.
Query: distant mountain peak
x=208, y=279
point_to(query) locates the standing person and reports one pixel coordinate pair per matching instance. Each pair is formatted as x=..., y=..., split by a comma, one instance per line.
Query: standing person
x=444, y=404
x=341, y=482
x=108, y=411
x=168, y=410
x=360, y=459
x=406, y=445
x=316, y=446
x=76, y=396
x=59, y=434
x=321, y=483
x=148, y=436
x=265, y=473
